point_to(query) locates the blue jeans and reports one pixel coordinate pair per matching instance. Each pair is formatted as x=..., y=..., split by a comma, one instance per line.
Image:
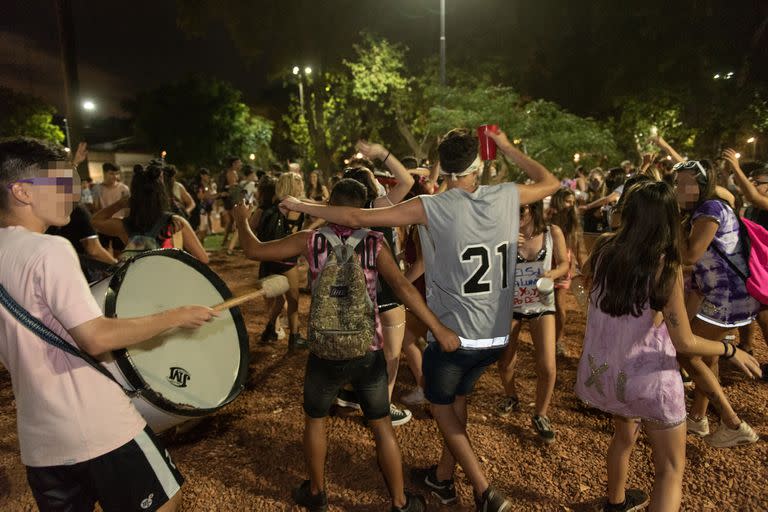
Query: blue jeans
x=451, y=374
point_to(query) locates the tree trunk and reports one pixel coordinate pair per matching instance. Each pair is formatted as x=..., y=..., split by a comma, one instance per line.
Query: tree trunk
x=317, y=133
x=405, y=130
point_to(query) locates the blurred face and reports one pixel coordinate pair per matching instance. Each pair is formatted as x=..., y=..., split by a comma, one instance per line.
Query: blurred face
x=595, y=181
x=237, y=165
x=111, y=177
x=313, y=179
x=761, y=183
x=50, y=193
x=687, y=190
x=205, y=179
x=525, y=215
x=569, y=202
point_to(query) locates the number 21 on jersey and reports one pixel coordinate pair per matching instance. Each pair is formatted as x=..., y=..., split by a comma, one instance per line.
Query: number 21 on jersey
x=484, y=258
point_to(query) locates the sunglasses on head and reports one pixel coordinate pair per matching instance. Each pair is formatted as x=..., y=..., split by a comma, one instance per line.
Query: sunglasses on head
x=65, y=182
x=689, y=165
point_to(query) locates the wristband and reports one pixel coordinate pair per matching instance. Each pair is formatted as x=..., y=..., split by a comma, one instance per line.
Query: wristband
x=735, y=348
x=385, y=158
x=725, y=348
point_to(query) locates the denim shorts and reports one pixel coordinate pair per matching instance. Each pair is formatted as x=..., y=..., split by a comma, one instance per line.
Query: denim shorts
x=368, y=375
x=451, y=374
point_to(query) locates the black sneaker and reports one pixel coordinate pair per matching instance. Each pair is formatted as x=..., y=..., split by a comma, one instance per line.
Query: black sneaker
x=399, y=416
x=303, y=497
x=492, y=501
x=269, y=335
x=509, y=405
x=634, y=499
x=543, y=428
x=296, y=342
x=348, y=398
x=414, y=503
x=443, y=490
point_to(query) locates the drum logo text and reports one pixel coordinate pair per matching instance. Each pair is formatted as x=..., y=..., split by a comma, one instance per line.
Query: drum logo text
x=179, y=377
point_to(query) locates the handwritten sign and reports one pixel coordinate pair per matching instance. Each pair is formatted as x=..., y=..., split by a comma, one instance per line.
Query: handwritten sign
x=526, y=293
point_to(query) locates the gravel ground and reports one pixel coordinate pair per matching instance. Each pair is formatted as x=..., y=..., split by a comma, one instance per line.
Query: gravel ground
x=248, y=456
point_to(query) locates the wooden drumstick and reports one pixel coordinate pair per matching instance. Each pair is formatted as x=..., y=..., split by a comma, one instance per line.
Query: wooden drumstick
x=272, y=286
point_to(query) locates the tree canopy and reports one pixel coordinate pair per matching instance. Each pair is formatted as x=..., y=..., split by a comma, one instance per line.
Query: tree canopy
x=26, y=115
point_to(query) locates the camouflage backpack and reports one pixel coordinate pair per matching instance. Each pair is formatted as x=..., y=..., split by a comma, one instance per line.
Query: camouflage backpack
x=341, y=318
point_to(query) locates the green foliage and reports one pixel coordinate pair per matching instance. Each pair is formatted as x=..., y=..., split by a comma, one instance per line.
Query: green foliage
x=639, y=116
x=544, y=130
x=199, y=121
x=28, y=116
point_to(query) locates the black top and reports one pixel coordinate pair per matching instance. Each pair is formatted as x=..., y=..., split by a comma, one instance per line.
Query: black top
x=78, y=229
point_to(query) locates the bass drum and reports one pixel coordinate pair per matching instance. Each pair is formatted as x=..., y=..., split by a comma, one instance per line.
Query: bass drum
x=183, y=374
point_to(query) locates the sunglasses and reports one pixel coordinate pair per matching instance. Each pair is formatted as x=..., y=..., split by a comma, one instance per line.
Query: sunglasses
x=690, y=165
x=65, y=182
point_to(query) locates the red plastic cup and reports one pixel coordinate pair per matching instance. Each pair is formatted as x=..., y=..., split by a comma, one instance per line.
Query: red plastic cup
x=487, y=144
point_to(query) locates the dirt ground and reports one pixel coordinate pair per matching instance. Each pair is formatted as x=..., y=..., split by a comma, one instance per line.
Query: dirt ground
x=248, y=456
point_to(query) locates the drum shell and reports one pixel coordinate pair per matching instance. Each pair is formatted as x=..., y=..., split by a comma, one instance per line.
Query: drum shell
x=159, y=412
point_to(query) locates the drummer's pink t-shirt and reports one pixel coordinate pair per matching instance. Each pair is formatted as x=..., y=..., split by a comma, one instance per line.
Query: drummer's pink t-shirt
x=67, y=411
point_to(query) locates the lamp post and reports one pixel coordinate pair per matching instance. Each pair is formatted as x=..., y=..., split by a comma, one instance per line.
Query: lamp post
x=442, y=42
x=298, y=72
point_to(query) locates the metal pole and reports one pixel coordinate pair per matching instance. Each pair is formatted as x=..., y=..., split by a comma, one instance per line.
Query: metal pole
x=66, y=132
x=442, y=42
x=301, y=95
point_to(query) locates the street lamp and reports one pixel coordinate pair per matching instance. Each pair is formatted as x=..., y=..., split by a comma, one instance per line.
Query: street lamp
x=89, y=105
x=297, y=71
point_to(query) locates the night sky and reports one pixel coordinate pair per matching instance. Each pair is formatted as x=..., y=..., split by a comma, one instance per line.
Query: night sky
x=579, y=53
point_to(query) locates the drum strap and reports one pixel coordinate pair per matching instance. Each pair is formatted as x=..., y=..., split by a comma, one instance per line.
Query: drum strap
x=47, y=335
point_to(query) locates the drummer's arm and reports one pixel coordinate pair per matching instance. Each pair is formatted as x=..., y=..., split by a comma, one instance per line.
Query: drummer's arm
x=102, y=335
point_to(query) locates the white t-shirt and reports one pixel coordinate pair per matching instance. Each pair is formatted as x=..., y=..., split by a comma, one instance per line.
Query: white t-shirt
x=67, y=412
x=111, y=195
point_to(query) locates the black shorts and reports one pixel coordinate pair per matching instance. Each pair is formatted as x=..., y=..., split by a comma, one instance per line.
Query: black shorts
x=117, y=244
x=385, y=297
x=368, y=375
x=530, y=316
x=273, y=268
x=136, y=476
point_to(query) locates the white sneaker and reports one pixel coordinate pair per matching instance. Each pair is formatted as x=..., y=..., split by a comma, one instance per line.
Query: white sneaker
x=725, y=437
x=699, y=428
x=415, y=397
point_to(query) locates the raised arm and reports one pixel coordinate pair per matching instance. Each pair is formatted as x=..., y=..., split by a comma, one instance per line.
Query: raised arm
x=747, y=187
x=659, y=141
x=403, y=177
x=402, y=214
x=545, y=183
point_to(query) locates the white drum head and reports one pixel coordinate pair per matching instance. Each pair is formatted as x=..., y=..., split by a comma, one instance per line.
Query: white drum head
x=193, y=369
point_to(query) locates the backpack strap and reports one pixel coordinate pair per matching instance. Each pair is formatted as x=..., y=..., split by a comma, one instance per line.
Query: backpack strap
x=344, y=250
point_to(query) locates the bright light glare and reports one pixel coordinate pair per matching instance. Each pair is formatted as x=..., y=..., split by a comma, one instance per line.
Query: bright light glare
x=751, y=140
x=307, y=70
x=89, y=105
x=252, y=156
x=738, y=155
x=359, y=155
x=67, y=150
x=295, y=70
x=717, y=76
x=163, y=153
x=576, y=157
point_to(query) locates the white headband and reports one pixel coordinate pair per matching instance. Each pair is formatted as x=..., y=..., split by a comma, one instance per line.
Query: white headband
x=475, y=166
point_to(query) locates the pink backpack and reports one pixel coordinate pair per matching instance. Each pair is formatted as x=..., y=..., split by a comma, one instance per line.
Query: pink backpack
x=757, y=257
x=754, y=238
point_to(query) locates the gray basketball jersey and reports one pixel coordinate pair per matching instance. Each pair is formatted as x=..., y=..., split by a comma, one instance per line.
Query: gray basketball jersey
x=469, y=247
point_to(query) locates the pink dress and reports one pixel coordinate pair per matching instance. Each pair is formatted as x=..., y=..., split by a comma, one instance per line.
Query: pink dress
x=628, y=368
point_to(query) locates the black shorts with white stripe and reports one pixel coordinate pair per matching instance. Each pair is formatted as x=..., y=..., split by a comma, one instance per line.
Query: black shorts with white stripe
x=136, y=476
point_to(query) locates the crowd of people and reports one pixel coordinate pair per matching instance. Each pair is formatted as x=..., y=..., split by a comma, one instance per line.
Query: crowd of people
x=450, y=271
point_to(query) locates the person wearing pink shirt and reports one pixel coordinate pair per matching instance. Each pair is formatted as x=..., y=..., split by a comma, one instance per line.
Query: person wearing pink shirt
x=81, y=438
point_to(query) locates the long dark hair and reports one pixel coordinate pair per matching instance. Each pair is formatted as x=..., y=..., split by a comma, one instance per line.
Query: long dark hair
x=638, y=264
x=566, y=218
x=148, y=198
x=266, y=192
x=537, y=217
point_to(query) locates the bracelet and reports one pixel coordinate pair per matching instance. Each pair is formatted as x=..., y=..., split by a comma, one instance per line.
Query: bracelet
x=725, y=347
x=735, y=348
x=385, y=158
